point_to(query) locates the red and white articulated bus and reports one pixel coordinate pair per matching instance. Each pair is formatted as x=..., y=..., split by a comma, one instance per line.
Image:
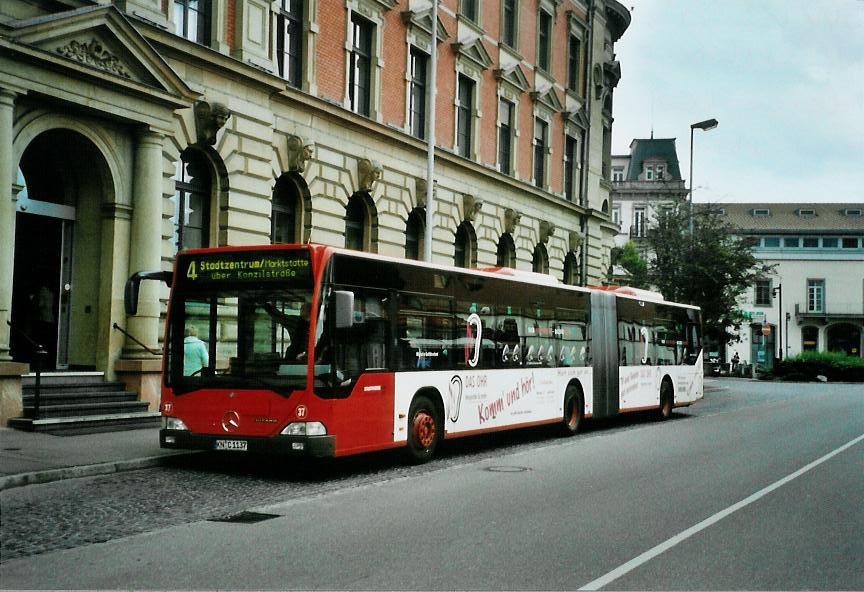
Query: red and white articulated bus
x=320, y=351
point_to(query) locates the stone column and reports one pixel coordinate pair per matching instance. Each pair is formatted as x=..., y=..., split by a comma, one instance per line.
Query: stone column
x=139, y=369
x=10, y=372
x=146, y=241
x=7, y=217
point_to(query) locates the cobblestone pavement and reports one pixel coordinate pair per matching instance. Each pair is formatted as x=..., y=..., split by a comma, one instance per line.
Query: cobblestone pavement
x=67, y=514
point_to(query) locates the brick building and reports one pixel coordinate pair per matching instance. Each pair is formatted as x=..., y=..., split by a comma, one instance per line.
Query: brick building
x=129, y=130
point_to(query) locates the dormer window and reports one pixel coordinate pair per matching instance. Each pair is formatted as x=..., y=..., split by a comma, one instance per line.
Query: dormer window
x=661, y=172
x=760, y=212
x=806, y=213
x=649, y=173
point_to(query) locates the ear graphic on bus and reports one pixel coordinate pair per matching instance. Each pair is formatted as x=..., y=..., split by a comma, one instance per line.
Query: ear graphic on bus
x=455, y=397
x=472, y=339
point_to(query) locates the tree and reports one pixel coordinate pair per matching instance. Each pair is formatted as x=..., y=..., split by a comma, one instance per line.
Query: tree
x=629, y=258
x=710, y=269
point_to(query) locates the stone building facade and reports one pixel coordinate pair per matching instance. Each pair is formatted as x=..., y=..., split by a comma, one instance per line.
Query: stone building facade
x=134, y=128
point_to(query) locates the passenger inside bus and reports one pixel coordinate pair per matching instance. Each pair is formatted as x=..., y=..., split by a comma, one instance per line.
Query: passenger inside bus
x=299, y=335
x=195, y=356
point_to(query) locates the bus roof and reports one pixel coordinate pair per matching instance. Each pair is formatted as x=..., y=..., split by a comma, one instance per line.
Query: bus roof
x=519, y=275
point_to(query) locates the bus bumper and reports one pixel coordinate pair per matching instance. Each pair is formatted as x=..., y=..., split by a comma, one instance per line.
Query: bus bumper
x=316, y=446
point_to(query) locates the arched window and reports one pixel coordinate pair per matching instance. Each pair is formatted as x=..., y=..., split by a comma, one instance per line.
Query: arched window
x=465, y=246
x=540, y=263
x=361, y=223
x=286, y=207
x=571, y=269
x=809, y=338
x=193, y=186
x=844, y=337
x=414, y=229
x=356, y=223
x=506, y=251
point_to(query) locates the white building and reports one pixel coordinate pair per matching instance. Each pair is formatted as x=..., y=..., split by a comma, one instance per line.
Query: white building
x=644, y=181
x=813, y=299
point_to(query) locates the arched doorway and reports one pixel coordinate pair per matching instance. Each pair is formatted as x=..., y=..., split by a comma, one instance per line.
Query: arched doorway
x=55, y=282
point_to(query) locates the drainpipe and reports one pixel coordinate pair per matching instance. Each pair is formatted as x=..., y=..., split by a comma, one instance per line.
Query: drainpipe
x=586, y=148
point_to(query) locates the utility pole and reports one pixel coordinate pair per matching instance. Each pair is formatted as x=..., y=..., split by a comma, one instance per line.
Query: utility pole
x=430, y=135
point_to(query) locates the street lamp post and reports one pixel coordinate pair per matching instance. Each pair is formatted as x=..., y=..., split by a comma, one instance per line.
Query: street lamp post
x=706, y=125
x=778, y=291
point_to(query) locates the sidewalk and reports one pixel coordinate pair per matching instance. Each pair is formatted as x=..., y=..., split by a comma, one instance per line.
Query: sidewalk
x=27, y=458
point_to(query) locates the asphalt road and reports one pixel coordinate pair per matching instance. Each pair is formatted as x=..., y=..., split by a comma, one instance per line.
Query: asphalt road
x=760, y=486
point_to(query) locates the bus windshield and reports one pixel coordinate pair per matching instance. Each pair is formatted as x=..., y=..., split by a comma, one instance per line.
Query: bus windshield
x=239, y=338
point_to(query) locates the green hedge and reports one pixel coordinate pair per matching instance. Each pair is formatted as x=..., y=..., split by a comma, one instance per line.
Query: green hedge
x=836, y=367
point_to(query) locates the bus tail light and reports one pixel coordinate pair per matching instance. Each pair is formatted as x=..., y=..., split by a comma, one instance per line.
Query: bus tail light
x=173, y=423
x=305, y=428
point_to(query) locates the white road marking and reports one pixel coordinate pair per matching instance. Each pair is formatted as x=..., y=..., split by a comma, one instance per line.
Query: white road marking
x=682, y=536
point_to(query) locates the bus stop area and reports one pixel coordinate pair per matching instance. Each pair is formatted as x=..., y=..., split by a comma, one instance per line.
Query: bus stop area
x=28, y=458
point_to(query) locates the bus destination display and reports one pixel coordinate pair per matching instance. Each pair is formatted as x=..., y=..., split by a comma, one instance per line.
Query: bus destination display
x=244, y=266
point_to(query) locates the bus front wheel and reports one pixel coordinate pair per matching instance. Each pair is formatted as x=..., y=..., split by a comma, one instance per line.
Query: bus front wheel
x=424, y=430
x=574, y=409
x=667, y=400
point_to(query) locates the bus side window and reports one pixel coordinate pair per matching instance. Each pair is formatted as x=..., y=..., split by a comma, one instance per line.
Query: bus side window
x=364, y=346
x=540, y=342
x=425, y=337
x=466, y=349
x=570, y=333
x=508, y=345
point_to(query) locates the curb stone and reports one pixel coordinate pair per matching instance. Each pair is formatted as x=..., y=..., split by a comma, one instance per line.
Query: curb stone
x=106, y=468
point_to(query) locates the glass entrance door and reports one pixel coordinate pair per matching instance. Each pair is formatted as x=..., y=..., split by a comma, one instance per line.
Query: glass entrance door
x=42, y=282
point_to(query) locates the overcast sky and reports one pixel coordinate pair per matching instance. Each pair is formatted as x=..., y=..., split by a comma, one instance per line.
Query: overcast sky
x=785, y=79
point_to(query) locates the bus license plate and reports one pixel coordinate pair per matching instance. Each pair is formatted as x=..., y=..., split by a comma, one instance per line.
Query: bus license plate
x=236, y=445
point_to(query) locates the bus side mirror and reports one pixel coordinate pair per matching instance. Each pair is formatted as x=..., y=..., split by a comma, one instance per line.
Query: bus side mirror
x=130, y=293
x=343, y=305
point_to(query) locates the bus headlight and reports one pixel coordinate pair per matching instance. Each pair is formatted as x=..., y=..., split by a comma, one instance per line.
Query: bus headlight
x=305, y=428
x=173, y=423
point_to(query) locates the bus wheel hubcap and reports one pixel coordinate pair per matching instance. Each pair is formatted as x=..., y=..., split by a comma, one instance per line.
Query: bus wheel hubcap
x=424, y=429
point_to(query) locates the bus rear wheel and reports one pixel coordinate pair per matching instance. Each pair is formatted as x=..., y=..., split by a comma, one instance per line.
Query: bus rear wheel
x=424, y=430
x=667, y=400
x=574, y=409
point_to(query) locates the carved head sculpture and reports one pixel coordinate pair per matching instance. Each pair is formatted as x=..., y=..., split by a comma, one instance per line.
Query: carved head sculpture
x=511, y=220
x=470, y=206
x=299, y=153
x=209, y=119
x=420, y=189
x=368, y=173
x=547, y=229
x=576, y=240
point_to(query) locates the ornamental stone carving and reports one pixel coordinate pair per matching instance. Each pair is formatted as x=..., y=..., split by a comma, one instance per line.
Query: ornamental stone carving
x=209, y=119
x=420, y=188
x=299, y=154
x=511, y=220
x=470, y=206
x=576, y=240
x=94, y=54
x=547, y=229
x=368, y=174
